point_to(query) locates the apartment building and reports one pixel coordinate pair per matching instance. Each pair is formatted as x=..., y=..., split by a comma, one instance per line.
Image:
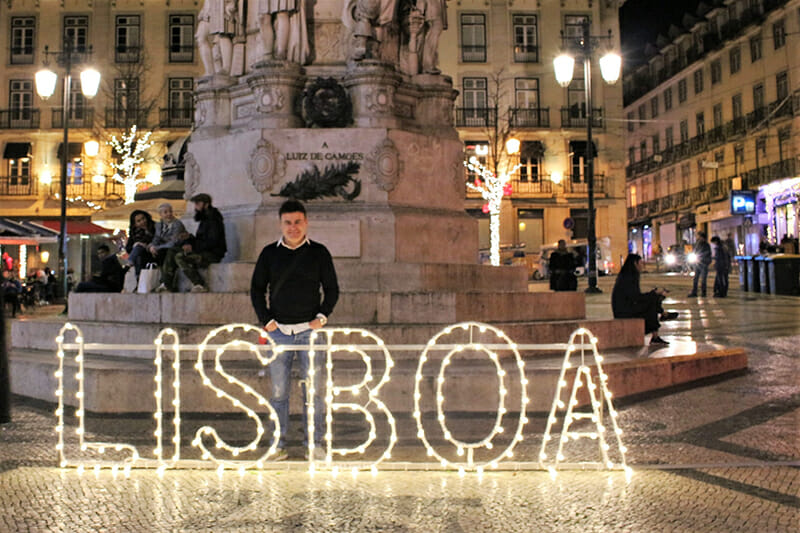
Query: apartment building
x=144, y=51
x=715, y=108
x=500, y=56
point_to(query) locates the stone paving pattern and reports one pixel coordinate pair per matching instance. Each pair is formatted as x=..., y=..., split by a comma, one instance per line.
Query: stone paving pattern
x=721, y=456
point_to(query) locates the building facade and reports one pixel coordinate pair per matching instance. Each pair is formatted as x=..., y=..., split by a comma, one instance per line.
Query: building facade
x=714, y=109
x=500, y=56
x=145, y=53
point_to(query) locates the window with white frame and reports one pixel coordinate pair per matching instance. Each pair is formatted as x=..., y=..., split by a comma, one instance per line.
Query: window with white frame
x=76, y=32
x=473, y=38
x=126, y=39
x=22, y=40
x=181, y=38
x=526, y=43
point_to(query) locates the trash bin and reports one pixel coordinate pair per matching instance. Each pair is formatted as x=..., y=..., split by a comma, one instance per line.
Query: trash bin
x=763, y=273
x=784, y=274
x=742, y=260
x=753, y=283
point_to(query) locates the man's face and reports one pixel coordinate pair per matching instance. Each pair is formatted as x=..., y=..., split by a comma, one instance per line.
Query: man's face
x=293, y=228
x=166, y=214
x=199, y=207
x=101, y=253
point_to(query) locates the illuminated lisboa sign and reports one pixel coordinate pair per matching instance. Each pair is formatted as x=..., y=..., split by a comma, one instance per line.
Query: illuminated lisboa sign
x=582, y=363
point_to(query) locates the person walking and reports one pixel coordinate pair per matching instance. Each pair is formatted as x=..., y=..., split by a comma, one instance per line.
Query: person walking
x=293, y=269
x=722, y=267
x=205, y=247
x=703, y=253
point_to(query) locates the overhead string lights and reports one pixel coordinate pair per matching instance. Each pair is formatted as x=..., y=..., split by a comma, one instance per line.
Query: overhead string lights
x=80, y=412
x=583, y=378
x=368, y=383
x=462, y=448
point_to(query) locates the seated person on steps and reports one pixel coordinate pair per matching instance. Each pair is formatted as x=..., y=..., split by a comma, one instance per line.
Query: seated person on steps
x=110, y=277
x=167, y=235
x=140, y=235
x=198, y=251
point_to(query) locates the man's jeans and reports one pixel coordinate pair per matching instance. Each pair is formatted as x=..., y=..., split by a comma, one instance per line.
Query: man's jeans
x=700, y=272
x=280, y=371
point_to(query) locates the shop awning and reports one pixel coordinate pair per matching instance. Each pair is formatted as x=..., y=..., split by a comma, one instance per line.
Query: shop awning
x=13, y=232
x=74, y=152
x=17, y=150
x=76, y=227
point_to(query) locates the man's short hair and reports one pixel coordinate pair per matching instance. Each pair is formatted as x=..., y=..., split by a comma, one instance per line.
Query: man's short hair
x=701, y=234
x=103, y=247
x=165, y=205
x=715, y=239
x=291, y=206
x=201, y=197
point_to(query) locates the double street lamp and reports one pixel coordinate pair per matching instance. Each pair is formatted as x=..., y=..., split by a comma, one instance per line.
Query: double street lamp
x=46, y=80
x=610, y=65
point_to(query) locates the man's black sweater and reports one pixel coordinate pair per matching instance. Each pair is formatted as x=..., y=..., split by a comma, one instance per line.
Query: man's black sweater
x=294, y=278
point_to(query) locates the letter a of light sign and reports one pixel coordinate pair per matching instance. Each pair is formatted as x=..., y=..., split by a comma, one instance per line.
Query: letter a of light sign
x=456, y=340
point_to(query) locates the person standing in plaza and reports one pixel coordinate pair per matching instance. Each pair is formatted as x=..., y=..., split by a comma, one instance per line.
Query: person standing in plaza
x=722, y=267
x=703, y=252
x=294, y=269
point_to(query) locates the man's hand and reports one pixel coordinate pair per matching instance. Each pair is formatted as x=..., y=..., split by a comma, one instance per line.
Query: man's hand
x=152, y=249
x=187, y=248
x=271, y=326
x=315, y=324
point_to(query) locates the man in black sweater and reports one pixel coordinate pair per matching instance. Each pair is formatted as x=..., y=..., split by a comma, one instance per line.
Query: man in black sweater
x=293, y=269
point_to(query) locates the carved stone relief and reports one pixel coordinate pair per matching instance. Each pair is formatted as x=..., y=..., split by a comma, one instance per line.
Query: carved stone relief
x=383, y=165
x=191, y=175
x=267, y=166
x=269, y=99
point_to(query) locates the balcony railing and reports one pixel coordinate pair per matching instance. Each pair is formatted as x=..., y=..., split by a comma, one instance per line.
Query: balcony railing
x=577, y=185
x=788, y=168
x=525, y=187
x=18, y=186
x=476, y=117
x=532, y=117
x=526, y=54
x=126, y=54
x=21, y=55
x=87, y=190
x=172, y=117
x=125, y=118
x=181, y=54
x=473, y=54
x=19, y=119
x=575, y=117
x=81, y=118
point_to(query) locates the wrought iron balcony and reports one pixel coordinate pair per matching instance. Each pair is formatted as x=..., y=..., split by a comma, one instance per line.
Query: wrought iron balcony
x=476, y=117
x=27, y=118
x=81, y=118
x=18, y=186
x=125, y=117
x=530, y=117
x=577, y=185
x=575, y=117
x=787, y=168
x=175, y=117
x=87, y=190
x=526, y=54
x=531, y=187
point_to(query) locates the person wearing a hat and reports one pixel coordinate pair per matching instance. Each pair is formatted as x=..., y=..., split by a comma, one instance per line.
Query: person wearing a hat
x=196, y=251
x=702, y=251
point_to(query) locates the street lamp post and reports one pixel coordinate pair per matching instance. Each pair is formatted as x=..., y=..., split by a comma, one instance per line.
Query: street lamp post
x=564, y=66
x=45, y=87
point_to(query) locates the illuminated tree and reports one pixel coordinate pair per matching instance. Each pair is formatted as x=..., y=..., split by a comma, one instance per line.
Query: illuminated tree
x=130, y=149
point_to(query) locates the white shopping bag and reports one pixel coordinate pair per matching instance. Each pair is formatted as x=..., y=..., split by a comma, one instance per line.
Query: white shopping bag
x=149, y=278
x=129, y=285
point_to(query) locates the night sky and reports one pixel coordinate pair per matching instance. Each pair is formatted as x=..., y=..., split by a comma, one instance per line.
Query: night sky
x=642, y=20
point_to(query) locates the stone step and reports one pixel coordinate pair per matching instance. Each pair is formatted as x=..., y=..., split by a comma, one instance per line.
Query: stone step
x=127, y=386
x=40, y=334
x=352, y=308
x=385, y=277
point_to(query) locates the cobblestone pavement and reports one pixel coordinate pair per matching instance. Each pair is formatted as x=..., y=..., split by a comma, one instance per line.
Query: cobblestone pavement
x=722, y=456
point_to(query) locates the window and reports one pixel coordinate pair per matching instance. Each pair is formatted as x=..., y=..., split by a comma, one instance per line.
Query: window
x=782, y=85
x=686, y=171
x=573, y=26
x=698, y=81
x=473, y=38
x=684, y=130
x=784, y=136
x=76, y=32
x=642, y=150
x=700, y=123
x=530, y=160
x=19, y=171
x=667, y=98
x=738, y=158
x=779, y=34
x=736, y=105
x=77, y=102
x=75, y=171
x=180, y=100
x=630, y=121
x=716, y=71
x=126, y=104
x=181, y=38
x=526, y=93
x=736, y=59
x=642, y=114
x=479, y=150
x=579, y=163
x=631, y=155
x=669, y=137
x=717, y=113
x=719, y=156
x=654, y=106
x=126, y=40
x=761, y=147
x=682, y=90
x=526, y=49
x=633, y=195
x=656, y=140
x=576, y=98
x=20, y=100
x=755, y=48
x=758, y=96
x=22, y=33
x=474, y=97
